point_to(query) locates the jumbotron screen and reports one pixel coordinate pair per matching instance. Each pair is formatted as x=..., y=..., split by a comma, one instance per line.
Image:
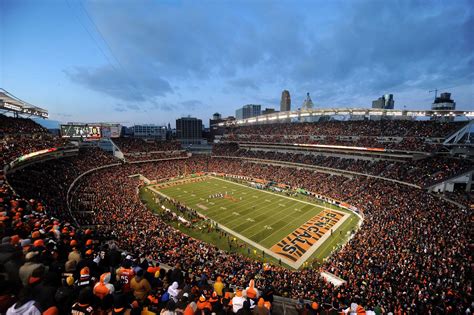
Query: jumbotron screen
x=81, y=131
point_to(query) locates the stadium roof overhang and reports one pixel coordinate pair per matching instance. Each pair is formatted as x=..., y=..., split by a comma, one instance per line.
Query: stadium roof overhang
x=11, y=103
x=306, y=115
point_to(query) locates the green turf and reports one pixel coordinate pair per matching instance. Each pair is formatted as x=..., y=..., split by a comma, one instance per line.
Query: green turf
x=262, y=216
x=214, y=236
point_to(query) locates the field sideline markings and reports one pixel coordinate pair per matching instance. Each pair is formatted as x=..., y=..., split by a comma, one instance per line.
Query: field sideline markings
x=225, y=218
x=312, y=204
x=267, y=217
x=306, y=256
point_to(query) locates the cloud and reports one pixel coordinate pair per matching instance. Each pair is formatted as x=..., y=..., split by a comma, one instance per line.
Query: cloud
x=243, y=83
x=340, y=52
x=383, y=45
x=120, y=109
x=118, y=84
x=191, y=104
x=128, y=107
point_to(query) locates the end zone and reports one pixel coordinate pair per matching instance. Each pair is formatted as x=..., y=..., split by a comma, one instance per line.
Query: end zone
x=305, y=240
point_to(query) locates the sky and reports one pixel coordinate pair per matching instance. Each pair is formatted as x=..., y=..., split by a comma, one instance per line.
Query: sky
x=150, y=61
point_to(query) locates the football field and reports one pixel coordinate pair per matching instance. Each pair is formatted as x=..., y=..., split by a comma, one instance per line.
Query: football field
x=287, y=228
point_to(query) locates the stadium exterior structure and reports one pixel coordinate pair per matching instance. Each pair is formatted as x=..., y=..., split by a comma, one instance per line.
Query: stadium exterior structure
x=11, y=103
x=354, y=113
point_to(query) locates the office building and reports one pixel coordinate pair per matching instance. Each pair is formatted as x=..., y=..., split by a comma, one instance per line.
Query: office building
x=384, y=102
x=248, y=111
x=285, y=102
x=189, y=130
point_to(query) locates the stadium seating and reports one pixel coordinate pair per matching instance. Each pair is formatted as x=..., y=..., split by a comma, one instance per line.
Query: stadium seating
x=388, y=134
x=422, y=172
x=412, y=254
x=142, y=150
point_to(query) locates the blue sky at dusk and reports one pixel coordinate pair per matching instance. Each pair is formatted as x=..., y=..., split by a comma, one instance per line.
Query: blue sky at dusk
x=153, y=61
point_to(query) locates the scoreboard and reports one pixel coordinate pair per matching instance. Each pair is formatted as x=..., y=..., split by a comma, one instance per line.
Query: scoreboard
x=81, y=131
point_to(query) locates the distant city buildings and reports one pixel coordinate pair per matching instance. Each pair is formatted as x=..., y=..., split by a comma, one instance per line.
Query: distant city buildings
x=150, y=132
x=285, y=102
x=444, y=102
x=308, y=103
x=248, y=111
x=384, y=102
x=189, y=130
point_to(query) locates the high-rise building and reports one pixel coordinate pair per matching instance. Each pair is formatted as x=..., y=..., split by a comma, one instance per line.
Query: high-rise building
x=248, y=111
x=384, y=102
x=285, y=103
x=308, y=103
x=444, y=102
x=189, y=130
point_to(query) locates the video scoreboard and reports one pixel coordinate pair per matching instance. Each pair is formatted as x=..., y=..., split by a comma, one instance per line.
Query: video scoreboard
x=80, y=131
x=90, y=131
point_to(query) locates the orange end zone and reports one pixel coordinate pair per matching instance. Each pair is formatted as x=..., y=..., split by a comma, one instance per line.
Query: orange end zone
x=295, y=245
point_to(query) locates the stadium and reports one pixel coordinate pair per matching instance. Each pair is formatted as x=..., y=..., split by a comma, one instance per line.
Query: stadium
x=364, y=216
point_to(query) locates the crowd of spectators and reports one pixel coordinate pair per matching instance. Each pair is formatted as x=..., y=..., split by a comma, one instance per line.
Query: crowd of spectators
x=137, y=145
x=387, y=134
x=49, y=266
x=19, y=136
x=461, y=197
x=145, y=156
x=17, y=126
x=412, y=254
x=58, y=173
x=385, y=128
x=136, y=149
x=422, y=172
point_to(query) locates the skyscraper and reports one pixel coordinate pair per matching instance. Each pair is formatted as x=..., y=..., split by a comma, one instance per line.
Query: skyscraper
x=285, y=103
x=189, y=130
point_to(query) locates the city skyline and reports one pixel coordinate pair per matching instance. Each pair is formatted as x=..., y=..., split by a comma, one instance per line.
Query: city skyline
x=135, y=64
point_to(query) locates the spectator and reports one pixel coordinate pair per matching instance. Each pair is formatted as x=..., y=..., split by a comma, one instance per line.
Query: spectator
x=140, y=286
